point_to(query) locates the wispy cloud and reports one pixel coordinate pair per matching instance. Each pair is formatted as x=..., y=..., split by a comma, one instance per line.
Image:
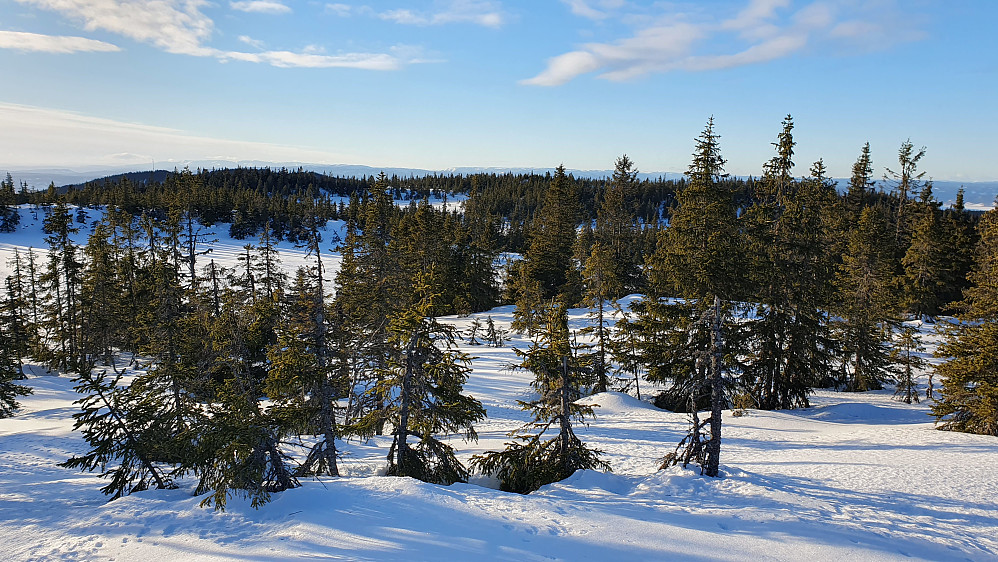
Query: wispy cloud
x=289, y=59
x=593, y=9
x=261, y=7
x=338, y=9
x=480, y=12
x=57, y=44
x=255, y=43
x=180, y=27
x=761, y=31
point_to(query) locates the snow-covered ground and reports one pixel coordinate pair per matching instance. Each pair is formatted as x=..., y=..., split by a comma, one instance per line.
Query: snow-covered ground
x=224, y=248
x=856, y=477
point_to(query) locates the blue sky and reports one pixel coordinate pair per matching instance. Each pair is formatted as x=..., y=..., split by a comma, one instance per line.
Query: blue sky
x=527, y=83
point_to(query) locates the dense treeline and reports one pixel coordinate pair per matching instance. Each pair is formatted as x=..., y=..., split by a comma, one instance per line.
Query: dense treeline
x=755, y=293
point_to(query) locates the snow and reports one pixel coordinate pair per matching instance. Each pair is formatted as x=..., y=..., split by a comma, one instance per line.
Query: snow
x=224, y=249
x=858, y=476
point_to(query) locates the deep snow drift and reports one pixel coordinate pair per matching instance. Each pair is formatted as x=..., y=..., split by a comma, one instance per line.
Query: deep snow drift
x=856, y=477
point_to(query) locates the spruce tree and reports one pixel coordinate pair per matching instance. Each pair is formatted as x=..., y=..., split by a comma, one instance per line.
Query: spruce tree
x=540, y=456
x=907, y=347
x=548, y=271
x=969, y=395
x=791, y=271
x=927, y=260
x=601, y=285
x=61, y=280
x=240, y=443
x=422, y=391
x=10, y=367
x=10, y=217
x=906, y=181
x=866, y=304
x=697, y=258
x=960, y=238
x=616, y=229
x=114, y=424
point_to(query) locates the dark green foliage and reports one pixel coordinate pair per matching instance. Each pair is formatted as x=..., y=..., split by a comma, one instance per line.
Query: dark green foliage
x=907, y=346
x=616, y=230
x=927, y=261
x=10, y=371
x=9, y=216
x=241, y=451
x=788, y=231
x=115, y=424
x=538, y=458
x=61, y=279
x=698, y=258
x=421, y=389
x=969, y=397
x=547, y=271
x=905, y=182
x=867, y=304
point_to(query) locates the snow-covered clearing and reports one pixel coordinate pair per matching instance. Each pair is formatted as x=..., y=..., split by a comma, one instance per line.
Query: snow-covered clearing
x=856, y=477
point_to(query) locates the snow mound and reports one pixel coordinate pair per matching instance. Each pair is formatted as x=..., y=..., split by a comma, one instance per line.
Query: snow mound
x=868, y=413
x=616, y=403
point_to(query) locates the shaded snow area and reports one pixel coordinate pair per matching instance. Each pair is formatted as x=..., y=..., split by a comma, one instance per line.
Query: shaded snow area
x=856, y=477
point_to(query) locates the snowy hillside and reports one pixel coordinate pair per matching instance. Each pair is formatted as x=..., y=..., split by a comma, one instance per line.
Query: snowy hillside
x=856, y=477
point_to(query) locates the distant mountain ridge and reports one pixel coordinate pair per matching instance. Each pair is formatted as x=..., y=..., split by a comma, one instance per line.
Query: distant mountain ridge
x=977, y=195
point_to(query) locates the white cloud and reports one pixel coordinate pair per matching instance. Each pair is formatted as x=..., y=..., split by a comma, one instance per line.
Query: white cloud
x=289, y=59
x=480, y=12
x=176, y=26
x=762, y=31
x=179, y=26
x=260, y=7
x=40, y=137
x=34, y=42
x=342, y=10
x=593, y=9
x=255, y=43
x=650, y=50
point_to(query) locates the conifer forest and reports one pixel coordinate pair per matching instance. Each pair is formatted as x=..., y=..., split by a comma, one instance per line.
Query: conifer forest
x=502, y=365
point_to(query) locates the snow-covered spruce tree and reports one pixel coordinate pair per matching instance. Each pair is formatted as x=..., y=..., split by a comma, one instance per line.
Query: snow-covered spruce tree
x=421, y=389
x=114, y=423
x=969, y=396
x=546, y=449
x=697, y=259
